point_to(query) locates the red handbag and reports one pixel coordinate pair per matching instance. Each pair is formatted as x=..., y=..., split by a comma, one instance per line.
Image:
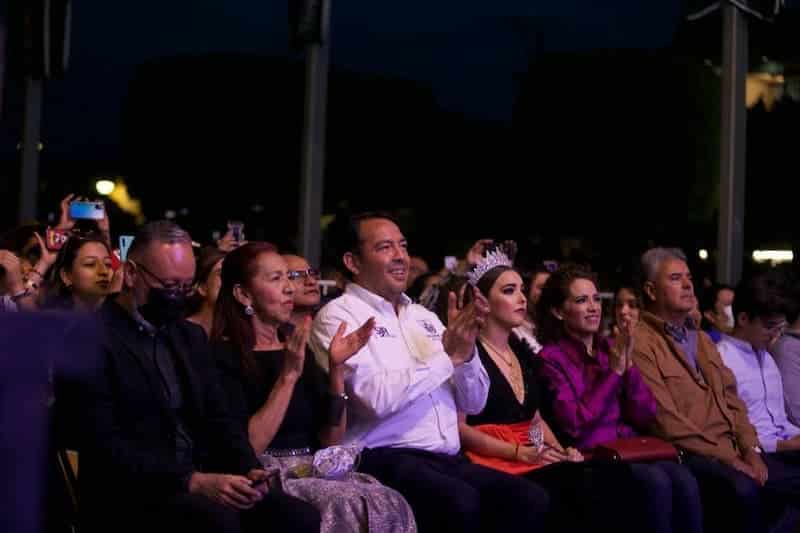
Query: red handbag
x=637, y=450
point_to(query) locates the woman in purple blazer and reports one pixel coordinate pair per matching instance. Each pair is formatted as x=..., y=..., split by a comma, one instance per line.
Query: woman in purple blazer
x=596, y=395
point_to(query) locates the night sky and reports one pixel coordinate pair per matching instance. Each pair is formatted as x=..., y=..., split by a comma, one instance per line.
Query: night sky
x=466, y=51
x=652, y=119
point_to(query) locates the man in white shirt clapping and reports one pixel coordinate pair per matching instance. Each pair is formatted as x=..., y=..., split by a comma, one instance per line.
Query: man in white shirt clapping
x=406, y=386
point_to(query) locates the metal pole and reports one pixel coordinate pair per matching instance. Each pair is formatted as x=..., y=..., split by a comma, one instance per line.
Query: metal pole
x=730, y=240
x=29, y=178
x=313, y=165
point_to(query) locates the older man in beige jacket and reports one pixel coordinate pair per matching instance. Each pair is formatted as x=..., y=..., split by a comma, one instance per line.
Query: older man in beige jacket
x=698, y=407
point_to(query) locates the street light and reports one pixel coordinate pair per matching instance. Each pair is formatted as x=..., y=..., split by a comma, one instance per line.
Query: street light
x=105, y=187
x=773, y=256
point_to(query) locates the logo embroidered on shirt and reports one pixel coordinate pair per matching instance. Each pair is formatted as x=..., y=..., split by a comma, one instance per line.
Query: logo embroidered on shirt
x=382, y=332
x=429, y=328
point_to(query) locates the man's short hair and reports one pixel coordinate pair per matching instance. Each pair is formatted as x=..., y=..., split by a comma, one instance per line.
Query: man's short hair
x=652, y=259
x=161, y=231
x=710, y=296
x=760, y=296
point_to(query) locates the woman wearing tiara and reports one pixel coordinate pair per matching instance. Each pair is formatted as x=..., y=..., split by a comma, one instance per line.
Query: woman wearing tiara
x=510, y=434
x=596, y=395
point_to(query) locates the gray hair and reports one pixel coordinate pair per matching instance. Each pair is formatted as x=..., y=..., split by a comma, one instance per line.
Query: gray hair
x=162, y=231
x=652, y=259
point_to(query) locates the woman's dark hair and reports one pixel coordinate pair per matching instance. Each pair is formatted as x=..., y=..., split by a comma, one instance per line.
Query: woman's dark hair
x=453, y=283
x=58, y=295
x=206, y=259
x=554, y=293
x=631, y=288
x=230, y=321
x=485, y=284
x=528, y=279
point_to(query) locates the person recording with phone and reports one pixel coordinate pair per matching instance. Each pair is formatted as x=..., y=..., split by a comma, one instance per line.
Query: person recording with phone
x=78, y=213
x=233, y=238
x=25, y=260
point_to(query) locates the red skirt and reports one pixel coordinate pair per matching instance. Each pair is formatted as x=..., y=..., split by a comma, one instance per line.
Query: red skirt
x=513, y=433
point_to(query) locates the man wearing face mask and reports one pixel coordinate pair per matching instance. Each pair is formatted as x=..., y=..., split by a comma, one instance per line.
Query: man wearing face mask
x=161, y=448
x=718, y=311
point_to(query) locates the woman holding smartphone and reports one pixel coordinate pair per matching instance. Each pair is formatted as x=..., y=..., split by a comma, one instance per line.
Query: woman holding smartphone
x=510, y=434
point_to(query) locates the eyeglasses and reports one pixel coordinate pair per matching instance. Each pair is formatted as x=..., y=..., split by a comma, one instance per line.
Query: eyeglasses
x=774, y=325
x=305, y=274
x=171, y=286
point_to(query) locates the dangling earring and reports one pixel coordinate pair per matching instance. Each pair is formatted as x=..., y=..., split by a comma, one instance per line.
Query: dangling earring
x=248, y=310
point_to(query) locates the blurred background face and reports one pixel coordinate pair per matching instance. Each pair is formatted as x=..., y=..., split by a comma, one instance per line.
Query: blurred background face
x=305, y=281
x=507, y=302
x=417, y=267
x=90, y=272
x=537, y=283
x=212, y=283
x=626, y=307
x=581, y=311
x=270, y=292
x=723, y=310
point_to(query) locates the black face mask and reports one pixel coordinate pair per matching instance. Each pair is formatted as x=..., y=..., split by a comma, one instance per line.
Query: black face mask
x=163, y=306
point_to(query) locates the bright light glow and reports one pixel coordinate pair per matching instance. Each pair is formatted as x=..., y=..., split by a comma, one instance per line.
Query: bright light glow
x=105, y=187
x=170, y=214
x=703, y=254
x=776, y=256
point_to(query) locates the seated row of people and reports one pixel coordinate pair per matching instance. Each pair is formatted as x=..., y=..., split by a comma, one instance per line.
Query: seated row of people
x=386, y=376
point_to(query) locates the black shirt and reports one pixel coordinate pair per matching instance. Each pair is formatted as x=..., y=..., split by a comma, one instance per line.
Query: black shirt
x=308, y=409
x=502, y=406
x=155, y=347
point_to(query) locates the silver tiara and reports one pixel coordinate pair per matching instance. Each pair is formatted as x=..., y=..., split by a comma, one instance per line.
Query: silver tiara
x=486, y=263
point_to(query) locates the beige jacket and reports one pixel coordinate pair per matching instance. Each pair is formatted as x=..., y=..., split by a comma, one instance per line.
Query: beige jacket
x=703, y=415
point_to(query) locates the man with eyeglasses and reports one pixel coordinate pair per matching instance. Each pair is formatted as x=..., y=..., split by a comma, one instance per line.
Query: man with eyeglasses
x=760, y=317
x=306, y=288
x=161, y=448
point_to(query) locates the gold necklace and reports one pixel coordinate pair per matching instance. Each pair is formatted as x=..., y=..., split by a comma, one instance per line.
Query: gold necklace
x=514, y=377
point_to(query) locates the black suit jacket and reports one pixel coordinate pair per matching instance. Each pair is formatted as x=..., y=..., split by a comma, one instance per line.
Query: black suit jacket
x=129, y=451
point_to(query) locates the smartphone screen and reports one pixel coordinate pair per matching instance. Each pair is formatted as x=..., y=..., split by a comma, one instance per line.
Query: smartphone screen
x=124, y=244
x=237, y=230
x=55, y=239
x=87, y=210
